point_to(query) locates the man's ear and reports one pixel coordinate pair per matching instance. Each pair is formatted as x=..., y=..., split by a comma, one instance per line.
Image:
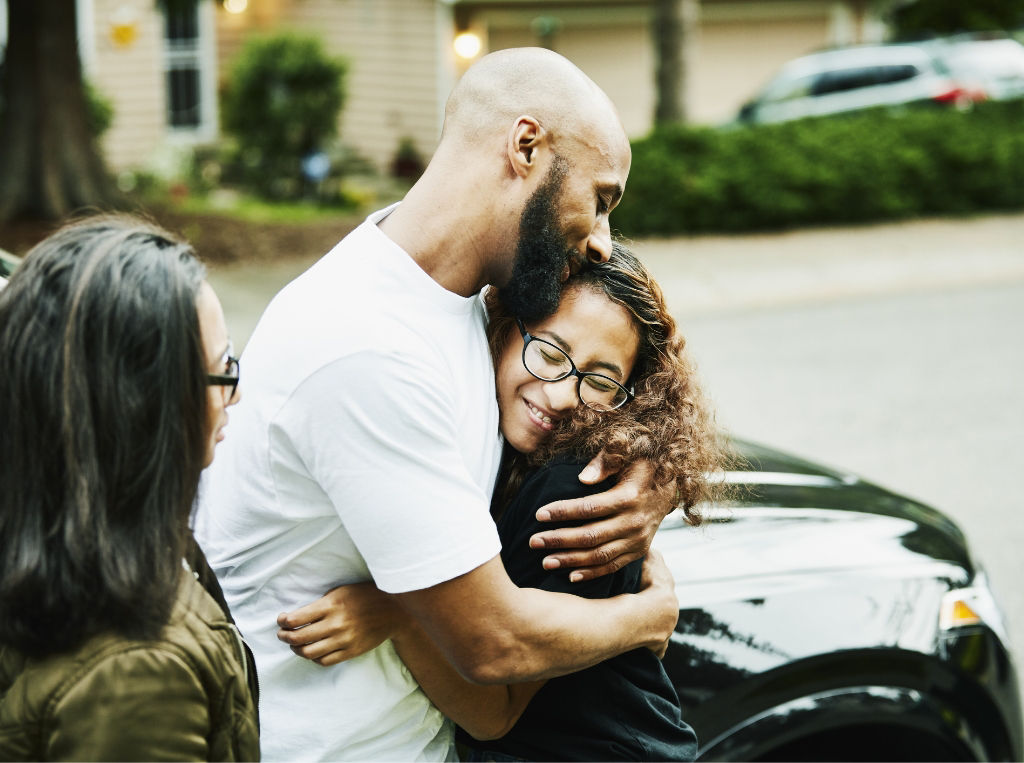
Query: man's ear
x=524, y=139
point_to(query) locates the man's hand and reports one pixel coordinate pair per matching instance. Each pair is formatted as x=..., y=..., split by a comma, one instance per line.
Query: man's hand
x=655, y=577
x=625, y=519
x=348, y=621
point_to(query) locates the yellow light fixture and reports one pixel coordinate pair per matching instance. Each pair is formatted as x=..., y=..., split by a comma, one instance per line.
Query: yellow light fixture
x=467, y=45
x=236, y=6
x=124, y=26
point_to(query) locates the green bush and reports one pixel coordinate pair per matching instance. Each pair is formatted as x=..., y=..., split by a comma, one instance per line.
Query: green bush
x=876, y=165
x=99, y=109
x=281, y=104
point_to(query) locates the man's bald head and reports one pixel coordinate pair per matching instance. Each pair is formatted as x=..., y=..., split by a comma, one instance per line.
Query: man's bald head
x=506, y=84
x=532, y=160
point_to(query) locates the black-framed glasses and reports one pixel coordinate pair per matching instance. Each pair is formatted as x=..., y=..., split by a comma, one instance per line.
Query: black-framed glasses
x=549, y=362
x=230, y=377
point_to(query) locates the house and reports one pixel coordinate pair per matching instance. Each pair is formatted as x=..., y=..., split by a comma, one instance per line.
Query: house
x=162, y=73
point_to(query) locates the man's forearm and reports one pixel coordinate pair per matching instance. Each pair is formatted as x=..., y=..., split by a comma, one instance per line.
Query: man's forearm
x=564, y=633
x=485, y=712
x=494, y=632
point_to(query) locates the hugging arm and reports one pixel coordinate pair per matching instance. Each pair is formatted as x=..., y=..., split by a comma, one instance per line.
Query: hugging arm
x=494, y=632
x=621, y=522
x=484, y=711
x=353, y=619
x=491, y=631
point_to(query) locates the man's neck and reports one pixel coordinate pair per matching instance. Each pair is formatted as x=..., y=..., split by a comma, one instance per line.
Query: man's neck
x=442, y=235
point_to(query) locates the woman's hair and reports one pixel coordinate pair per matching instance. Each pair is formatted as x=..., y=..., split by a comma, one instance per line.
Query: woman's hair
x=103, y=414
x=668, y=423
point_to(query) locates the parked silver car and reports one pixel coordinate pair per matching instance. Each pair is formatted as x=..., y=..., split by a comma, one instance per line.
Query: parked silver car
x=992, y=69
x=855, y=78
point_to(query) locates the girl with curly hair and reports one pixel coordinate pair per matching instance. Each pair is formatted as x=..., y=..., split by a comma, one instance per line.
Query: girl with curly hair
x=606, y=373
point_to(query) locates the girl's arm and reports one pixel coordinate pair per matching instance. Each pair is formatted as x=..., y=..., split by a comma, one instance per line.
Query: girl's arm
x=350, y=620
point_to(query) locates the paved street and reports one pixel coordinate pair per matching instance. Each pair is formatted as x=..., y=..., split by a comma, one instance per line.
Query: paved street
x=893, y=351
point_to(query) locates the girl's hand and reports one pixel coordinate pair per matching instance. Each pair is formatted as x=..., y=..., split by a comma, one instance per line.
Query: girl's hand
x=348, y=621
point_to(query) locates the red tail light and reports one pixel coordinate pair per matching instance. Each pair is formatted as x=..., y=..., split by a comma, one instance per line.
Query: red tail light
x=960, y=96
x=952, y=95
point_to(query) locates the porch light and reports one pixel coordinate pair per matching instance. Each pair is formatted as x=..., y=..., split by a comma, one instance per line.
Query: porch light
x=124, y=26
x=236, y=6
x=467, y=45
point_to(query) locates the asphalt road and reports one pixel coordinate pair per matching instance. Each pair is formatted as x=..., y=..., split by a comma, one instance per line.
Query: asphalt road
x=892, y=351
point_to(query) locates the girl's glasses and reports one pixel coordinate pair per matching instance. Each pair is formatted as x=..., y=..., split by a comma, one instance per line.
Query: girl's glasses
x=549, y=362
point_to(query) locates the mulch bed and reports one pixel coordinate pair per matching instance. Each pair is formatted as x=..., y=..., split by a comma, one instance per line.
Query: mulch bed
x=217, y=239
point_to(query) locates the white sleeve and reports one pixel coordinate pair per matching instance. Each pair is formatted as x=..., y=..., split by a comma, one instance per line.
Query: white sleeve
x=377, y=431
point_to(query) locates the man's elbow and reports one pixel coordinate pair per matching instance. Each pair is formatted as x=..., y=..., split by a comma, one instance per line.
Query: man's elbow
x=488, y=672
x=484, y=730
x=498, y=663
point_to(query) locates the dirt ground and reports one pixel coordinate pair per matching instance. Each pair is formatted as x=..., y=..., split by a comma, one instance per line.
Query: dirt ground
x=218, y=240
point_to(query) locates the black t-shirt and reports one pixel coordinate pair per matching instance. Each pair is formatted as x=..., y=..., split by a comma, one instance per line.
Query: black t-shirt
x=624, y=708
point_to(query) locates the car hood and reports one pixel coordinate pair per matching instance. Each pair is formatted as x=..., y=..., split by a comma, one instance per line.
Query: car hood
x=789, y=516
x=807, y=559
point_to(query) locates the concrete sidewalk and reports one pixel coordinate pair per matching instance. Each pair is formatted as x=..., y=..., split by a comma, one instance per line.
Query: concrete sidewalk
x=715, y=274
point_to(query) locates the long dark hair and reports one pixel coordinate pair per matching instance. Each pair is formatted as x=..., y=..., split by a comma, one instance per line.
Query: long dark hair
x=669, y=423
x=103, y=421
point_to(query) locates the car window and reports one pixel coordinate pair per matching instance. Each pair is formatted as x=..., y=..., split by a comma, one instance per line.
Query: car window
x=862, y=76
x=785, y=88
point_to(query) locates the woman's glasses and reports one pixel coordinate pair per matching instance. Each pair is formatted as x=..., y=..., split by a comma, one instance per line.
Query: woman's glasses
x=228, y=379
x=549, y=362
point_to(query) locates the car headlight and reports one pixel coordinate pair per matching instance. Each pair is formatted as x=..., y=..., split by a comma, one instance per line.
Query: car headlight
x=973, y=605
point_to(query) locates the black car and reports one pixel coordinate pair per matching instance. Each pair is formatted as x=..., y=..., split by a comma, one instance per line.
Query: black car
x=826, y=618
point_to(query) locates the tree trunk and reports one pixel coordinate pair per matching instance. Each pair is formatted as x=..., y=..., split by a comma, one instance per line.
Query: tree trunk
x=50, y=164
x=671, y=28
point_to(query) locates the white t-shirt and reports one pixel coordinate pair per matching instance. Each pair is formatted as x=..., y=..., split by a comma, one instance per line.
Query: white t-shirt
x=365, y=446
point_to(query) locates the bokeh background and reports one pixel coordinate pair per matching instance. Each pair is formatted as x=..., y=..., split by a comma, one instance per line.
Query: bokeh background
x=852, y=285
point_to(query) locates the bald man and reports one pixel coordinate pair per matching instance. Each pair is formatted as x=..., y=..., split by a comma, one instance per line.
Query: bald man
x=366, y=446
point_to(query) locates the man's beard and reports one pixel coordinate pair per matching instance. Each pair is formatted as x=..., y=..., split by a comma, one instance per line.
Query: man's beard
x=542, y=253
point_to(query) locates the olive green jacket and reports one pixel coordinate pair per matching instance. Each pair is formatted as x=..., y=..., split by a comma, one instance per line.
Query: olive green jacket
x=184, y=696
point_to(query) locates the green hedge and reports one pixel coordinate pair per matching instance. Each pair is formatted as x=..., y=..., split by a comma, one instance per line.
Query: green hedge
x=876, y=165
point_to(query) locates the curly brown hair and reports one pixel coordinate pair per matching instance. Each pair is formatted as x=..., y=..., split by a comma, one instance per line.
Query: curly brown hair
x=669, y=422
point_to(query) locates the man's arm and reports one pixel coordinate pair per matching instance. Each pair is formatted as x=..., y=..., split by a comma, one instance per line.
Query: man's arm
x=334, y=628
x=493, y=632
x=484, y=712
x=621, y=526
x=352, y=619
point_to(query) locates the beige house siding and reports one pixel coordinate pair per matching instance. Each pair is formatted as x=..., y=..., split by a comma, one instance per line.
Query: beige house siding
x=393, y=49
x=131, y=76
x=402, y=65
x=736, y=45
x=740, y=46
x=611, y=45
